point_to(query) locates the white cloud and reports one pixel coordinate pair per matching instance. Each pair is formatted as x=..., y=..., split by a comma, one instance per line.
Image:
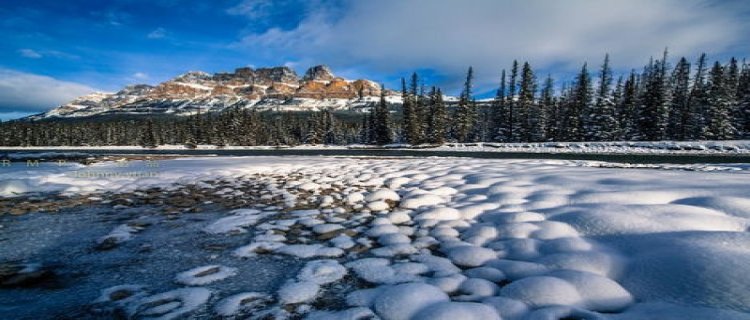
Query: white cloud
x=26, y=92
x=140, y=76
x=29, y=53
x=395, y=35
x=252, y=9
x=157, y=33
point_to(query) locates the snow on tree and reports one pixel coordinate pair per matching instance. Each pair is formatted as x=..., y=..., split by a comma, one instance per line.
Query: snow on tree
x=718, y=119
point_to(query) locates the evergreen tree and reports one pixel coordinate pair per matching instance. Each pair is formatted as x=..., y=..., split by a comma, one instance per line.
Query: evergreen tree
x=550, y=109
x=437, y=120
x=500, y=113
x=148, y=138
x=529, y=114
x=511, y=103
x=680, y=106
x=654, y=112
x=382, y=128
x=743, y=104
x=465, y=115
x=601, y=119
x=697, y=103
x=627, y=111
x=412, y=112
x=719, y=122
x=580, y=100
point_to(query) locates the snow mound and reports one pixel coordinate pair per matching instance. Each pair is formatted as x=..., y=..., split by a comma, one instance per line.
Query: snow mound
x=471, y=256
x=542, y=291
x=242, y=303
x=322, y=271
x=171, y=304
x=404, y=301
x=382, y=195
x=458, y=310
x=298, y=292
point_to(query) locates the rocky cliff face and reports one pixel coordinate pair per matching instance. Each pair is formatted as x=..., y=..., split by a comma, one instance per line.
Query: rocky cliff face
x=277, y=88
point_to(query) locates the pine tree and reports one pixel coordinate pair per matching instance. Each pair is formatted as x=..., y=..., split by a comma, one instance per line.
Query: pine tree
x=412, y=109
x=500, y=124
x=679, y=110
x=743, y=104
x=654, y=113
x=437, y=120
x=148, y=139
x=527, y=107
x=732, y=80
x=697, y=104
x=601, y=119
x=511, y=103
x=628, y=110
x=719, y=122
x=549, y=108
x=465, y=115
x=382, y=128
x=581, y=99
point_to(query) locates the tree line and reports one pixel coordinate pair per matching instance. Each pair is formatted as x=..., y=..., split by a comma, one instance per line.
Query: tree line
x=659, y=102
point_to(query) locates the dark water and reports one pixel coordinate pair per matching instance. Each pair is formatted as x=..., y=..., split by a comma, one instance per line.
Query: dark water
x=625, y=158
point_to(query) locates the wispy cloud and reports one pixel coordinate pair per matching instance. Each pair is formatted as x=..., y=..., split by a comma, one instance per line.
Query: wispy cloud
x=252, y=9
x=29, y=53
x=140, y=75
x=25, y=92
x=157, y=33
x=394, y=35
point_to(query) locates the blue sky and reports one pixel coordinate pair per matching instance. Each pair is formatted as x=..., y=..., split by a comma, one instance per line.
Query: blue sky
x=52, y=51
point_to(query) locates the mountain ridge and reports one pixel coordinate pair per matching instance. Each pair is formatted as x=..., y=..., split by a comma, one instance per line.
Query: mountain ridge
x=268, y=88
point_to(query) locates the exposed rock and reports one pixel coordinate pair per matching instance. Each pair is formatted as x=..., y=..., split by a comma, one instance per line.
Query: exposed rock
x=319, y=73
x=263, y=88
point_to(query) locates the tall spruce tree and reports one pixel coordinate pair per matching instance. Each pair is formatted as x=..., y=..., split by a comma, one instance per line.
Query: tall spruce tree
x=465, y=114
x=412, y=122
x=500, y=113
x=549, y=108
x=654, y=112
x=531, y=119
x=719, y=122
x=743, y=98
x=511, y=102
x=437, y=119
x=601, y=119
x=581, y=99
x=697, y=103
x=680, y=107
x=382, y=126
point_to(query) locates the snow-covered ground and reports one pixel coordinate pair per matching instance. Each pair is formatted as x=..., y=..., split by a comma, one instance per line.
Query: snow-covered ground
x=419, y=238
x=614, y=147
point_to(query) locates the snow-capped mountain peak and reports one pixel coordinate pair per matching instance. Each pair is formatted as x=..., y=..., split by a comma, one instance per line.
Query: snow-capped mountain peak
x=273, y=88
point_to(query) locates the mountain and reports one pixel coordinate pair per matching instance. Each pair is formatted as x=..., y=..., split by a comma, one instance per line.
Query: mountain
x=275, y=88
